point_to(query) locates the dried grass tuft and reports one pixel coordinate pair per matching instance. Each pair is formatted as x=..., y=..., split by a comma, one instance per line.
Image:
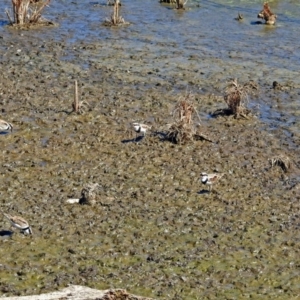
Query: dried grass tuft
x=183, y=129
x=236, y=97
x=283, y=161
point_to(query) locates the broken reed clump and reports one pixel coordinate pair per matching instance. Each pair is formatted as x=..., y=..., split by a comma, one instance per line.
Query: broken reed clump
x=28, y=13
x=179, y=3
x=267, y=15
x=183, y=129
x=283, y=161
x=236, y=97
x=115, y=19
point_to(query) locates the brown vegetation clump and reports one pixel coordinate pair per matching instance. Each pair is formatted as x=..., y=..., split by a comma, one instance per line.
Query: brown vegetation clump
x=267, y=15
x=27, y=12
x=183, y=129
x=236, y=97
x=283, y=161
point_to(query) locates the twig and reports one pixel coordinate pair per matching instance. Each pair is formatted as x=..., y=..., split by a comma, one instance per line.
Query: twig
x=9, y=17
x=76, y=101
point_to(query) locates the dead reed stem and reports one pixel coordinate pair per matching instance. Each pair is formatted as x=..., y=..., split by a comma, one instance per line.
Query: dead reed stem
x=76, y=100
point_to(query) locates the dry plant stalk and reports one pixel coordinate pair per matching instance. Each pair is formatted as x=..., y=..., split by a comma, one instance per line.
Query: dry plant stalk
x=75, y=104
x=283, y=161
x=183, y=129
x=78, y=106
x=236, y=97
x=27, y=11
x=115, y=18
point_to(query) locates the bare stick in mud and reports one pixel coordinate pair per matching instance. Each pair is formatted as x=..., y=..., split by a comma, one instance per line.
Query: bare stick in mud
x=11, y=22
x=75, y=104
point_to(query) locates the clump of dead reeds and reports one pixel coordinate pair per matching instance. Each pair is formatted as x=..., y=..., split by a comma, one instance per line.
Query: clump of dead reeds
x=236, y=97
x=183, y=129
x=283, y=161
x=179, y=3
x=26, y=12
x=115, y=19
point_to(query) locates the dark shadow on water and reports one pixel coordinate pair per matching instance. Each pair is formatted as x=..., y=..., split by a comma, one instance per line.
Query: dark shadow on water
x=256, y=23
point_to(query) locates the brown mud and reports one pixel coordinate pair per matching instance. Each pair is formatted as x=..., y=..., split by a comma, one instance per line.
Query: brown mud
x=155, y=230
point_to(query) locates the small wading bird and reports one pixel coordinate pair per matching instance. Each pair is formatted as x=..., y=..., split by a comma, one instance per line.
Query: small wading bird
x=140, y=128
x=210, y=179
x=19, y=223
x=5, y=126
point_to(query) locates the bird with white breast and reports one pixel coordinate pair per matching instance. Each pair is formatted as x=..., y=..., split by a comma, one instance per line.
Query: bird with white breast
x=210, y=179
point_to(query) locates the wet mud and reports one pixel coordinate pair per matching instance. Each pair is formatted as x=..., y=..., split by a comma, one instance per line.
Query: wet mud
x=155, y=230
